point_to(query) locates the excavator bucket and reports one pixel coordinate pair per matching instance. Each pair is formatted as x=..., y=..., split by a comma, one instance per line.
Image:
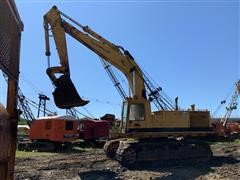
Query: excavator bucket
x=65, y=94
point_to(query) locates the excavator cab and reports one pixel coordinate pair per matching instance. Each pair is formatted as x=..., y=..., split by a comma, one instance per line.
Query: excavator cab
x=65, y=94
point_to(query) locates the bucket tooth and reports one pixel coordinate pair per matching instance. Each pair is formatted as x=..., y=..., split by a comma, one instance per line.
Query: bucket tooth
x=65, y=94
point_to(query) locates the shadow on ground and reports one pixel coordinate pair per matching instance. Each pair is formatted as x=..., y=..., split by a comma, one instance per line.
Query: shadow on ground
x=166, y=172
x=101, y=175
x=187, y=170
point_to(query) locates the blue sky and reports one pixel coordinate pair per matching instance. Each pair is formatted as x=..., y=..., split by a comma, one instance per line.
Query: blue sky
x=190, y=48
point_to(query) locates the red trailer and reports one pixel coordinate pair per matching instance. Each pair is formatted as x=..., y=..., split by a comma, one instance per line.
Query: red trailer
x=91, y=130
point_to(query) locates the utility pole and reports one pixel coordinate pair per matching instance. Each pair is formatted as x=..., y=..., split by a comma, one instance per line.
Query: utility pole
x=42, y=102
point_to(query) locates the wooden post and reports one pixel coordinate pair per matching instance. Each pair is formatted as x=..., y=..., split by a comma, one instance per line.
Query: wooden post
x=13, y=119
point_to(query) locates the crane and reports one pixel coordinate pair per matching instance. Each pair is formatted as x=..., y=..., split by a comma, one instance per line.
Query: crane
x=232, y=104
x=23, y=105
x=223, y=128
x=145, y=135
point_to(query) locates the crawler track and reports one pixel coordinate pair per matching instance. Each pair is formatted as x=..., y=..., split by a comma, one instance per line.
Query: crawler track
x=130, y=152
x=111, y=146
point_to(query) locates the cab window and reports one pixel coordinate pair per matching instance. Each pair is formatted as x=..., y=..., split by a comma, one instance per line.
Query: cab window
x=69, y=125
x=136, y=112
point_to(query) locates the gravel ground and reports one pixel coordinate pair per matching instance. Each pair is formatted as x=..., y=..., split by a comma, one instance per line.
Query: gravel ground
x=94, y=165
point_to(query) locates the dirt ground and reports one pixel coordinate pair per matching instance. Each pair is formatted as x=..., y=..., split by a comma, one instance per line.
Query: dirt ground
x=94, y=165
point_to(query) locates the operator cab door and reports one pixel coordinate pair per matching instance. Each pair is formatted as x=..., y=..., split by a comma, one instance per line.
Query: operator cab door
x=124, y=117
x=134, y=115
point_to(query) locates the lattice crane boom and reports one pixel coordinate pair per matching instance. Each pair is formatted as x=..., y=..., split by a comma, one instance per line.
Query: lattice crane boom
x=232, y=104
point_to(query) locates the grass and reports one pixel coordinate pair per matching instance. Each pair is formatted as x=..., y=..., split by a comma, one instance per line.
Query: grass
x=75, y=149
x=86, y=149
x=24, y=154
x=22, y=121
x=237, y=141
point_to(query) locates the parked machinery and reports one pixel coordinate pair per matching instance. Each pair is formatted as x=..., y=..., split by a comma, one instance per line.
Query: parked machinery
x=91, y=130
x=165, y=134
x=51, y=133
x=44, y=133
x=224, y=128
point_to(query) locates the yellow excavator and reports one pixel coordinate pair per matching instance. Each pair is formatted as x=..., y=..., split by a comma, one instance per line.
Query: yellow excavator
x=166, y=134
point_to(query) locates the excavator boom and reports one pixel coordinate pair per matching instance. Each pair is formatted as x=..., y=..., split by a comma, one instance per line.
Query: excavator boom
x=65, y=94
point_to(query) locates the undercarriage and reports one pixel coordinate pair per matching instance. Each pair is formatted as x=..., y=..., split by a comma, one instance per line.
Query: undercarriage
x=129, y=151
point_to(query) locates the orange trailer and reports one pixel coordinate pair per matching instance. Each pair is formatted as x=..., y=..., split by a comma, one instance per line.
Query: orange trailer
x=54, y=128
x=51, y=133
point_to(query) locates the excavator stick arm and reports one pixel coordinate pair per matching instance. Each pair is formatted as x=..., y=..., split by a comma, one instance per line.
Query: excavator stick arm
x=65, y=94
